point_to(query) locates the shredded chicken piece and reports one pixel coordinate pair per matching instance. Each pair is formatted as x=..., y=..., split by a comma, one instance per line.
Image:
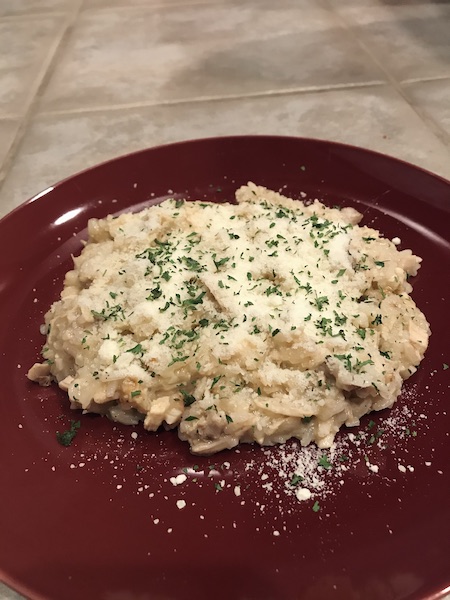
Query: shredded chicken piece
x=40, y=372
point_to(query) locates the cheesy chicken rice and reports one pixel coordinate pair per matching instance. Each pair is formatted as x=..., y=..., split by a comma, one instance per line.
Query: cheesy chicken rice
x=250, y=322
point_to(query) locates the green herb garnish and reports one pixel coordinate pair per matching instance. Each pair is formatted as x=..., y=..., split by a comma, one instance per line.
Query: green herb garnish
x=324, y=462
x=66, y=437
x=296, y=479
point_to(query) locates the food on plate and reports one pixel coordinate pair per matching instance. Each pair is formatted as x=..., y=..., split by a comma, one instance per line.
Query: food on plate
x=250, y=322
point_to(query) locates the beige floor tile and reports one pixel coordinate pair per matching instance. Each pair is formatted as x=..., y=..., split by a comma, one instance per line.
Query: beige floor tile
x=201, y=51
x=24, y=45
x=377, y=118
x=433, y=99
x=8, y=131
x=411, y=41
x=7, y=594
x=10, y=8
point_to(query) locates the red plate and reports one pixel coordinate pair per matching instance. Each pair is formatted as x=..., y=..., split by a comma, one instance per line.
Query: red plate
x=100, y=520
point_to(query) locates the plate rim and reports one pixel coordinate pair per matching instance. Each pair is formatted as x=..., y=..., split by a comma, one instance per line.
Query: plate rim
x=324, y=143
x=230, y=138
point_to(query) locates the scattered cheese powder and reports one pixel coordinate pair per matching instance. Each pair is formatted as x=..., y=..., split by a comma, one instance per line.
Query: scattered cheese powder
x=260, y=321
x=178, y=480
x=303, y=494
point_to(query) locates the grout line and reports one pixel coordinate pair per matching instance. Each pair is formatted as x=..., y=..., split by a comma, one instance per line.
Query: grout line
x=424, y=79
x=161, y=4
x=428, y=122
x=176, y=4
x=420, y=110
x=34, y=16
x=45, y=70
x=202, y=99
x=149, y=6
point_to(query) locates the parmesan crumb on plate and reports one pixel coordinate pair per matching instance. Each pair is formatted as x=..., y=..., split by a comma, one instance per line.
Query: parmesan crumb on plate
x=178, y=480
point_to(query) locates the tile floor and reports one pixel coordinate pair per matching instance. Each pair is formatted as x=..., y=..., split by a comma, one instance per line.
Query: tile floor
x=82, y=81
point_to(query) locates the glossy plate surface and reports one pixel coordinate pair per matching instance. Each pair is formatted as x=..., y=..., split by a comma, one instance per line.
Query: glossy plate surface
x=100, y=519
